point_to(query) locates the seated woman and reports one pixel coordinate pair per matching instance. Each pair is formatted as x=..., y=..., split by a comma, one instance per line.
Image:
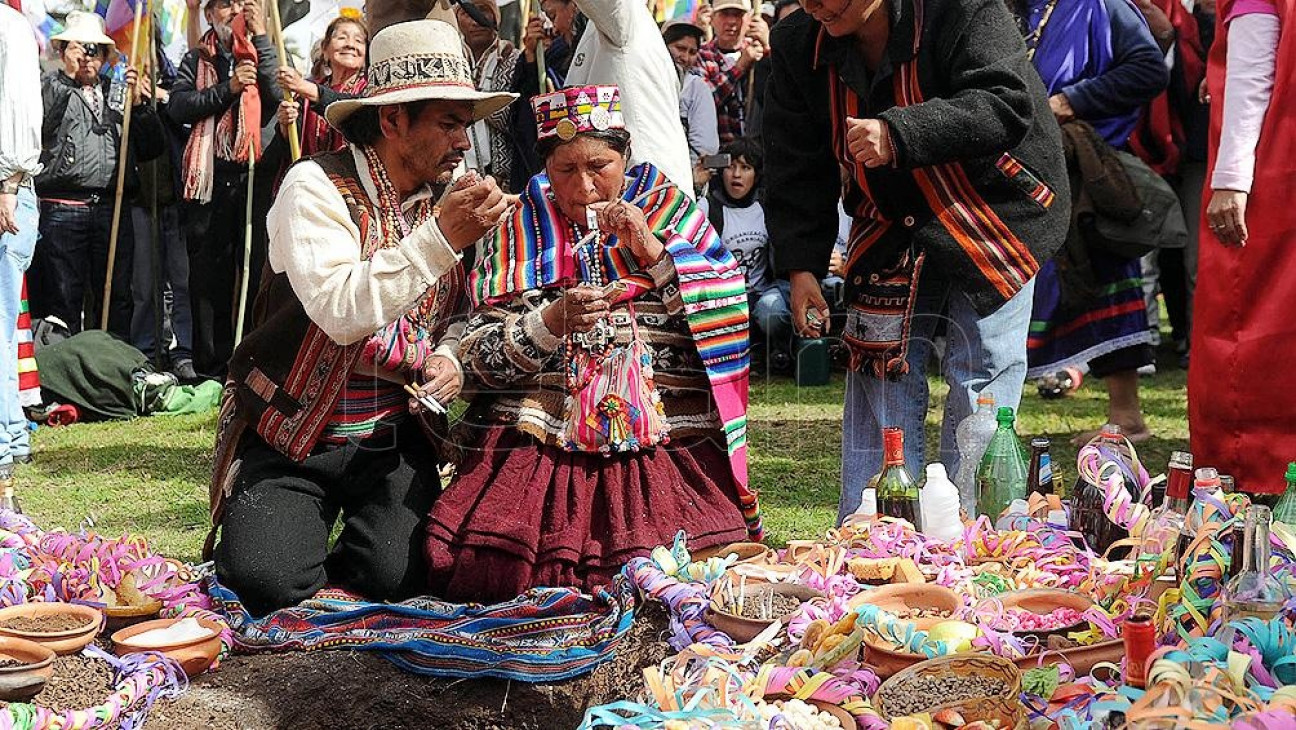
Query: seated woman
x=608, y=355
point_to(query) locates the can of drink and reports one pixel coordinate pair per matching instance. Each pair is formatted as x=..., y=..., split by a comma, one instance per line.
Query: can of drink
x=1140, y=640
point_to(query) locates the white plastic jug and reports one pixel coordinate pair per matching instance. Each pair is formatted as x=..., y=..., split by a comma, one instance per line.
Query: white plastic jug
x=940, y=505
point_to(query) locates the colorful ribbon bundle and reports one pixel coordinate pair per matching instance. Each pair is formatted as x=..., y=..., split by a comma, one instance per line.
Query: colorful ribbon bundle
x=142, y=679
x=38, y=566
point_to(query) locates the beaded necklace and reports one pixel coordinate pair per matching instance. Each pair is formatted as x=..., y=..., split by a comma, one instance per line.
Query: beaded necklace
x=396, y=221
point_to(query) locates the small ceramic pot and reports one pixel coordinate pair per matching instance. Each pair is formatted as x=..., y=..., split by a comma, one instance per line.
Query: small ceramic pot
x=23, y=682
x=70, y=641
x=194, y=656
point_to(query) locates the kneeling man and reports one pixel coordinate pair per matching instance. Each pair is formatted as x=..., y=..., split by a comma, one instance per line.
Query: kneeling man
x=366, y=283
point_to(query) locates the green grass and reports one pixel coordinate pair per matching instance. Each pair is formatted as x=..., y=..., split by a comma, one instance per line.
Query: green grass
x=149, y=476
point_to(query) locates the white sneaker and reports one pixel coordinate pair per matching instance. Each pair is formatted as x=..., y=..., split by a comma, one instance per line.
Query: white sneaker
x=1148, y=370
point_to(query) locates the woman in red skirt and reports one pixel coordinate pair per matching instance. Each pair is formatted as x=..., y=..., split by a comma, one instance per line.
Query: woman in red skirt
x=608, y=355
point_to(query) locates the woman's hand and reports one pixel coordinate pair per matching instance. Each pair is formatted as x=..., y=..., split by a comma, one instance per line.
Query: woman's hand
x=1226, y=214
x=442, y=380
x=287, y=115
x=290, y=80
x=1060, y=105
x=627, y=223
x=579, y=309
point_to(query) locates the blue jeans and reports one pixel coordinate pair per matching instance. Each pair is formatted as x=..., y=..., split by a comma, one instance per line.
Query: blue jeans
x=15, y=256
x=981, y=354
x=74, y=261
x=175, y=277
x=773, y=314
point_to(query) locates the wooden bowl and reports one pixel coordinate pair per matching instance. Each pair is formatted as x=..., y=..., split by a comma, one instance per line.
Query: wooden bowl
x=69, y=641
x=897, y=597
x=743, y=630
x=119, y=617
x=1005, y=707
x=1040, y=601
x=194, y=656
x=21, y=683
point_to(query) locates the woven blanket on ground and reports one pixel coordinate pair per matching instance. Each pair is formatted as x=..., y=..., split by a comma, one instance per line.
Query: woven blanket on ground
x=544, y=635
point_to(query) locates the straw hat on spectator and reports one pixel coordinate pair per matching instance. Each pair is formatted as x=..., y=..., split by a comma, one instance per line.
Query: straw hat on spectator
x=415, y=61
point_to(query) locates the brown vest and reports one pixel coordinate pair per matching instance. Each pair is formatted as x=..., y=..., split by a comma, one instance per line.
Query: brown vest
x=287, y=393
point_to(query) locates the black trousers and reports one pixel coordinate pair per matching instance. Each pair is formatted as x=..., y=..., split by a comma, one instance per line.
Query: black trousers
x=216, y=233
x=274, y=546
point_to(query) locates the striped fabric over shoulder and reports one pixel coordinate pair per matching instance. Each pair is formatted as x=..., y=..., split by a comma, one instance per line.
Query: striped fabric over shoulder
x=534, y=250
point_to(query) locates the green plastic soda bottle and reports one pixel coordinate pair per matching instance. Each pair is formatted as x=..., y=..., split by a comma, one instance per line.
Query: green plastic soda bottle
x=1002, y=476
x=1285, y=510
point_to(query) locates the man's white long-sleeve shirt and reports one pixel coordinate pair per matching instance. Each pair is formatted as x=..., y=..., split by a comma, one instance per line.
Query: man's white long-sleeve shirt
x=314, y=241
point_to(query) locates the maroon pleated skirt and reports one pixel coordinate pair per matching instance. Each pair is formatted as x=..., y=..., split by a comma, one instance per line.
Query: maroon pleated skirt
x=521, y=514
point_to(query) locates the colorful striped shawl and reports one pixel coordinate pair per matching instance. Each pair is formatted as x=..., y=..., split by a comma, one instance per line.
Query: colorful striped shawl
x=543, y=635
x=533, y=250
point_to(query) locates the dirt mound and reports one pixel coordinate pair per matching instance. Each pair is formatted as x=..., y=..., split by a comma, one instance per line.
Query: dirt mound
x=357, y=690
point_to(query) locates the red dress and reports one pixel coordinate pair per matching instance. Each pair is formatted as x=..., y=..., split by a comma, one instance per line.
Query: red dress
x=1241, y=403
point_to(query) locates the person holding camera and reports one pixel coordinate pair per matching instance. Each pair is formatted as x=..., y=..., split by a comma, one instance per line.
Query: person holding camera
x=81, y=139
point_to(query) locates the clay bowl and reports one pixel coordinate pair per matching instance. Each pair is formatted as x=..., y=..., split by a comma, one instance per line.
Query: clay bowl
x=70, y=641
x=898, y=597
x=743, y=630
x=762, y=573
x=1081, y=658
x=885, y=659
x=749, y=553
x=119, y=617
x=21, y=683
x=1039, y=601
x=194, y=656
x=846, y=719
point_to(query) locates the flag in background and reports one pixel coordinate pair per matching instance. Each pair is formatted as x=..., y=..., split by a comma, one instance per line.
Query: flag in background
x=664, y=10
x=119, y=22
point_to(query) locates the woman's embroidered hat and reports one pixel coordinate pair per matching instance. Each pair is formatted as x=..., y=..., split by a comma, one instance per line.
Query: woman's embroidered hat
x=568, y=112
x=415, y=61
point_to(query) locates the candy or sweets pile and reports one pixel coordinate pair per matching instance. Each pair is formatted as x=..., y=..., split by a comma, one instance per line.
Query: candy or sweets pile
x=1019, y=619
x=796, y=714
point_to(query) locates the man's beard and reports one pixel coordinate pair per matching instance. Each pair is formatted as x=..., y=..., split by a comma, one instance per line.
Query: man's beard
x=224, y=34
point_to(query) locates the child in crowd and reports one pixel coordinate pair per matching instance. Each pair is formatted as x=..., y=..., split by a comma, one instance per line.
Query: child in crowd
x=737, y=215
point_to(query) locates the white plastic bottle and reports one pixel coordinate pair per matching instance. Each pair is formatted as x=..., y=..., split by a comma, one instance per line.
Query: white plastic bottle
x=973, y=437
x=940, y=505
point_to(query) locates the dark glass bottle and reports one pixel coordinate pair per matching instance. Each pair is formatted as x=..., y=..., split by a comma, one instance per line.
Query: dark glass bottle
x=1039, y=478
x=897, y=492
x=1087, y=515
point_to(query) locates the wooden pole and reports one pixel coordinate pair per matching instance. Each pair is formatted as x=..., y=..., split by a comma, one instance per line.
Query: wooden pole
x=247, y=255
x=155, y=239
x=121, y=170
x=294, y=142
x=534, y=11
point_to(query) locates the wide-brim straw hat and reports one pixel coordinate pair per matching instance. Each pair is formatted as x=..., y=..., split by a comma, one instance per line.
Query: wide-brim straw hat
x=84, y=27
x=415, y=61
